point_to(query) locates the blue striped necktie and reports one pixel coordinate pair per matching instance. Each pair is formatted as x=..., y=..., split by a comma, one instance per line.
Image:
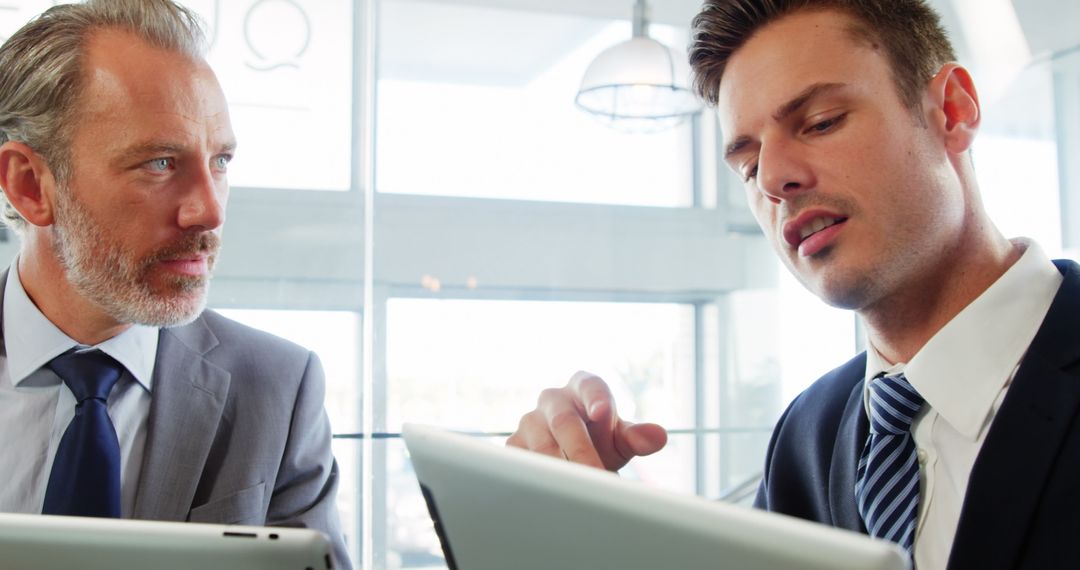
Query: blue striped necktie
x=887, y=479
x=85, y=477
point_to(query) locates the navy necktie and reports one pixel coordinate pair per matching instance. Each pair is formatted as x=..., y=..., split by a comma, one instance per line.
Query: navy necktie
x=85, y=477
x=887, y=479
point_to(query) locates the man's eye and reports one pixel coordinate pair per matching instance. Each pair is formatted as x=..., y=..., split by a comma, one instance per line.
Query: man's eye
x=159, y=164
x=750, y=174
x=827, y=124
x=221, y=162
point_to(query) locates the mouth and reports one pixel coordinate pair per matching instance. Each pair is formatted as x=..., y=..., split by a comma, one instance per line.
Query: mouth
x=810, y=224
x=816, y=225
x=192, y=256
x=192, y=265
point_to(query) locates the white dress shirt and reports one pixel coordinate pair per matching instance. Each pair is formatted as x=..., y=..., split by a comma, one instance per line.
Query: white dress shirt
x=963, y=373
x=36, y=407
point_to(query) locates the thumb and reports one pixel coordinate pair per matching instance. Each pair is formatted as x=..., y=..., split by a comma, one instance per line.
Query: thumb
x=639, y=439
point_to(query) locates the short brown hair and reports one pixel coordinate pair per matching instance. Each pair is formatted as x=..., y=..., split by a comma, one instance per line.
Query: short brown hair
x=41, y=71
x=915, y=42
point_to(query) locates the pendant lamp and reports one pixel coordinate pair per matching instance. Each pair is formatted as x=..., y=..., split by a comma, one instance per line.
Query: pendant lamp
x=639, y=85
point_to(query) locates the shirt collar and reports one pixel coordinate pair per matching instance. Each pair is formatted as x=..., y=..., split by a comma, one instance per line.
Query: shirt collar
x=32, y=340
x=961, y=379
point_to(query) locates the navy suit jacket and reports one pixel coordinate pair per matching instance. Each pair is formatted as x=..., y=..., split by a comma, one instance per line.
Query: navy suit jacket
x=1022, y=507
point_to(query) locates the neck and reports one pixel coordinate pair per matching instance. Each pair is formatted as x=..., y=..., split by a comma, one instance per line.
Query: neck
x=900, y=325
x=46, y=284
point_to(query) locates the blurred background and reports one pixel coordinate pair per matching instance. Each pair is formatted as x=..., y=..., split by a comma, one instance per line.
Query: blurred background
x=417, y=198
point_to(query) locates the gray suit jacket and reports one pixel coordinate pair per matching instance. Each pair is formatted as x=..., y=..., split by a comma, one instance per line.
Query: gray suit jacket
x=237, y=432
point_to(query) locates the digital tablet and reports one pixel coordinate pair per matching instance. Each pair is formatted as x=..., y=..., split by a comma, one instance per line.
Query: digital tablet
x=46, y=542
x=497, y=508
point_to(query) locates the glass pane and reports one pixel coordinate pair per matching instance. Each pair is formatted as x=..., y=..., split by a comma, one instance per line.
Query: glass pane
x=1016, y=159
x=1066, y=73
x=806, y=357
x=348, y=454
x=756, y=362
x=485, y=362
x=411, y=539
x=490, y=111
x=478, y=365
x=286, y=68
x=1033, y=211
x=672, y=468
x=772, y=358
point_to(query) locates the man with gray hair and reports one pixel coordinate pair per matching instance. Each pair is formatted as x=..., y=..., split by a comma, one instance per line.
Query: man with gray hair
x=119, y=394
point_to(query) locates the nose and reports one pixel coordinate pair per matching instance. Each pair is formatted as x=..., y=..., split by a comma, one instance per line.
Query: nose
x=203, y=205
x=782, y=171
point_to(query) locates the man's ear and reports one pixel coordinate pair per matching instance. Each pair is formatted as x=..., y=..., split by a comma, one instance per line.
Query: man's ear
x=954, y=103
x=27, y=182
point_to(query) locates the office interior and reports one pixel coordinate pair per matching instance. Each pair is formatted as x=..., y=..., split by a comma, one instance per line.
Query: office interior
x=417, y=198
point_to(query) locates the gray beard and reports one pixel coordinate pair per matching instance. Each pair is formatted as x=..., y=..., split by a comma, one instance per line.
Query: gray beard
x=103, y=272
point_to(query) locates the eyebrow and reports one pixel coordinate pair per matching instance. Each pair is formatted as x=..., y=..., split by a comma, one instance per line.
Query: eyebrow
x=785, y=110
x=156, y=148
x=151, y=148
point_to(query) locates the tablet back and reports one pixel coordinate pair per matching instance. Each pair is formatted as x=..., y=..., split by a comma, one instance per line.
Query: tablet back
x=44, y=542
x=498, y=508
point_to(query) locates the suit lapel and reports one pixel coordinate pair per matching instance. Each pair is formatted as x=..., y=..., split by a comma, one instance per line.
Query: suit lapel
x=850, y=439
x=188, y=397
x=1022, y=446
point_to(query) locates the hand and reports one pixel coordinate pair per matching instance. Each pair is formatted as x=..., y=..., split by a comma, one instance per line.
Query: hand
x=578, y=422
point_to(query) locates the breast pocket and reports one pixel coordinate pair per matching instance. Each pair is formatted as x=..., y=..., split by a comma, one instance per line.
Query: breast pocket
x=242, y=507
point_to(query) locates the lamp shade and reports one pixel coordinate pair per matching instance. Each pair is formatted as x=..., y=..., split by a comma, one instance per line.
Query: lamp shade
x=639, y=85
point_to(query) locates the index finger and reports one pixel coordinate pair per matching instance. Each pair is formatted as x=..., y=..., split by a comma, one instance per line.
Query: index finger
x=595, y=396
x=568, y=428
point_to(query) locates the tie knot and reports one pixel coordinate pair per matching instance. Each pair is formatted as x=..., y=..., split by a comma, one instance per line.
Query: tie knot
x=89, y=374
x=893, y=404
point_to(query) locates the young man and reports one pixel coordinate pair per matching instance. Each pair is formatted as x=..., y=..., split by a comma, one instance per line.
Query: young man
x=955, y=434
x=119, y=395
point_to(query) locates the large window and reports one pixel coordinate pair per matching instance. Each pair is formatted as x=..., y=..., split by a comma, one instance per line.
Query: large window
x=515, y=349
x=483, y=107
x=286, y=68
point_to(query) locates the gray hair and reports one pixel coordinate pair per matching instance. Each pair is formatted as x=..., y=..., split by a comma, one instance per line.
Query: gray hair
x=41, y=71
